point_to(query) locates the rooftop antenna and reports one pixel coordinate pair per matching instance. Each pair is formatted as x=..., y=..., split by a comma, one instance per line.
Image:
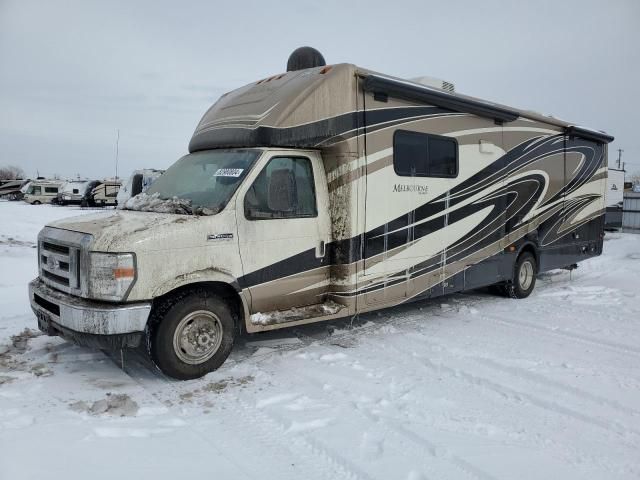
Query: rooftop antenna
x=619, y=157
x=117, y=145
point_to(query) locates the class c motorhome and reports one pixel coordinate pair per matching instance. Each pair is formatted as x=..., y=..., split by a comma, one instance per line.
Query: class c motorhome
x=42, y=191
x=321, y=193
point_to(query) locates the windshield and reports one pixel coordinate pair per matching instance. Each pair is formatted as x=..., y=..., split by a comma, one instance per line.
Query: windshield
x=200, y=183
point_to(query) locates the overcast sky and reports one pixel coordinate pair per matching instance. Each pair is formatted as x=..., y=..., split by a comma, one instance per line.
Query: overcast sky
x=73, y=72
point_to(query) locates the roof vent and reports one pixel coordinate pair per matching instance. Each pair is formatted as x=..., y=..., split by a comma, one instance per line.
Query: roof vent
x=435, y=83
x=305, y=57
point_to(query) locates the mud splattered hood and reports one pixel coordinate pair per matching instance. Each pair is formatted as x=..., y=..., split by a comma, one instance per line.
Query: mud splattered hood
x=124, y=230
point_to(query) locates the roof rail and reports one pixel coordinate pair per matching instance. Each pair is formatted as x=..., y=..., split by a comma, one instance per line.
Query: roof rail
x=385, y=86
x=589, y=134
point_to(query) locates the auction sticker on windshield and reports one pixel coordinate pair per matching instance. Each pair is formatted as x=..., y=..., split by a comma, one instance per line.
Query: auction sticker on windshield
x=228, y=172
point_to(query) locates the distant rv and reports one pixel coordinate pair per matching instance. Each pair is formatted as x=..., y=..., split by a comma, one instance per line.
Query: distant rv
x=137, y=183
x=42, y=191
x=614, y=199
x=73, y=192
x=11, y=189
x=104, y=194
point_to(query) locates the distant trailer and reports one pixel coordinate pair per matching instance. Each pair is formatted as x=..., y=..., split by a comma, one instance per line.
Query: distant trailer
x=631, y=212
x=614, y=198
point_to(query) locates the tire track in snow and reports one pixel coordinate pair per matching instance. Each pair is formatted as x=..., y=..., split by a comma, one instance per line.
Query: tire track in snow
x=254, y=425
x=578, y=337
x=511, y=394
x=503, y=390
x=418, y=446
x=542, y=380
x=274, y=431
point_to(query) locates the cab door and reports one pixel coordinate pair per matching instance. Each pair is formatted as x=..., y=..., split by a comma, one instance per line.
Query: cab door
x=283, y=231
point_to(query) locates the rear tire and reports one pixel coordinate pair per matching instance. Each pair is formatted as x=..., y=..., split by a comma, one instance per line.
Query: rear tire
x=524, y=277
x=190, y=334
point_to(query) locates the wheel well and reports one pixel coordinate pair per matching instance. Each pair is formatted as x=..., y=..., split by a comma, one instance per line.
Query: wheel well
x=224, y=290
x=531, y=248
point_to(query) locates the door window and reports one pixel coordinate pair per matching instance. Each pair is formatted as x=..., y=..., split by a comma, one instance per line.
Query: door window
x=284, y=189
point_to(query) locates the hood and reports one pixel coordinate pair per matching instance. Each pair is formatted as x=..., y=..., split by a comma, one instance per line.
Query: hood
x=125, y=230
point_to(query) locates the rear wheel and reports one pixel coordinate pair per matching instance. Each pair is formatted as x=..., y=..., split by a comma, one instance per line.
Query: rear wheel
x=524, y=277
x=191, y=334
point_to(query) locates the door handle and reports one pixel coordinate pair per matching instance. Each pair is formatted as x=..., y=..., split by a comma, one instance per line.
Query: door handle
x=320, y=250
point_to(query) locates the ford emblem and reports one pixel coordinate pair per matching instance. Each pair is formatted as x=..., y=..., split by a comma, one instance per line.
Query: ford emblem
x=52, y=263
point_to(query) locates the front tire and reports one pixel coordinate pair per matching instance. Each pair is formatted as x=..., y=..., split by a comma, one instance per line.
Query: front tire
x=524, y=277
x=191, y=334
x=37, y=202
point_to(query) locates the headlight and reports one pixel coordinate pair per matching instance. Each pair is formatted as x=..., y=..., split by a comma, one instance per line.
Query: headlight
x=111, y=275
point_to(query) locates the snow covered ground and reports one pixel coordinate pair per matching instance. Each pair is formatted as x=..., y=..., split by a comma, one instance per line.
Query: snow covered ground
x=470, y=386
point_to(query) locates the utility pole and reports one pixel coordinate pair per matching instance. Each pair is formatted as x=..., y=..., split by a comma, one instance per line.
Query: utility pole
x=118, y=143
x=619, y=157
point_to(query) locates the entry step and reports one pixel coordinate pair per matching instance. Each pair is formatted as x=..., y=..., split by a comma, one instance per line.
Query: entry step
x=297, y=313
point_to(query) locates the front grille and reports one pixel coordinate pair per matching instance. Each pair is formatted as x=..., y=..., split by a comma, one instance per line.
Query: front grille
x=56, y=278
x=52, y=247
x=60, y=264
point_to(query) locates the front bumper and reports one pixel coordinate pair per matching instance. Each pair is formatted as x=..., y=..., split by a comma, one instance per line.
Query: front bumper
x=87, y=322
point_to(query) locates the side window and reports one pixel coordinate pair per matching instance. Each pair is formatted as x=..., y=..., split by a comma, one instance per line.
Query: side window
x=283, y=189
x=424, y=155
x=50, y=190
x=37, y=190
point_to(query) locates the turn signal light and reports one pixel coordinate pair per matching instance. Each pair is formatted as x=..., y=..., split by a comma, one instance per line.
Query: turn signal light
x=124, y=272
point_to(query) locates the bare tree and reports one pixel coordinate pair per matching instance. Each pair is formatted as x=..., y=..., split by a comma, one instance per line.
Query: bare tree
x=11, y=172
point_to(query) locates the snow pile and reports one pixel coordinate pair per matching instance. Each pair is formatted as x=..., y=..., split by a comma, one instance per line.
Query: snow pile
x=153, y=203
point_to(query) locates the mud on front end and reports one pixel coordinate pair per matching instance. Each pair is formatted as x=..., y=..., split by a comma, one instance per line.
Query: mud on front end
x=87, y=322
x=65, y=301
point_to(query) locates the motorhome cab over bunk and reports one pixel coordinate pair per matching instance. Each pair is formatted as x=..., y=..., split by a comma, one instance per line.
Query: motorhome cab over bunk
x=321, y=193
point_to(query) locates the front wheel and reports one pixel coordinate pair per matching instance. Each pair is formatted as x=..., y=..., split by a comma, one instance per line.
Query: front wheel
x=37, y=202
x=191, y=334
x=524, y=277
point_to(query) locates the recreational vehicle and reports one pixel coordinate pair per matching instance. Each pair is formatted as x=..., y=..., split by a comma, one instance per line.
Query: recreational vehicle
x=137, y=183
x=614, y=199
x=73, y=192
x=42, y=191
x=12, y=189
x=104, y=194
x=321, y=193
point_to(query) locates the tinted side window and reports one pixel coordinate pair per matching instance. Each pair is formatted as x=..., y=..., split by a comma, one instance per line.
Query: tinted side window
x=37, y=190
x=424, y=155
x=51, y=189
x=283, y=189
